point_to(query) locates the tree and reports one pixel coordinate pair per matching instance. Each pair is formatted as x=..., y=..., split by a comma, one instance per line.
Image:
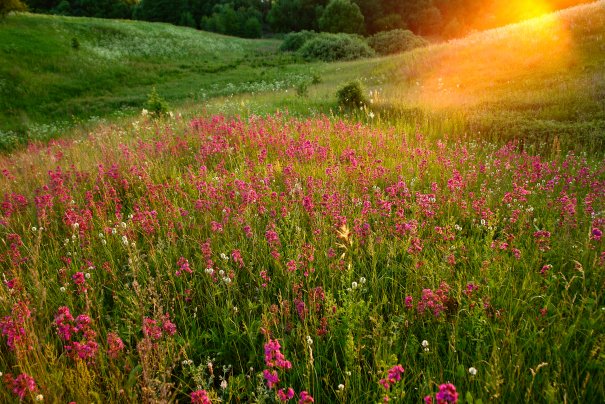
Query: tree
x=187, y=20
x=160, y=10
x=342, y=16
x=372, y=12
x=295, y=15
x=7, y=6
x=225, y=19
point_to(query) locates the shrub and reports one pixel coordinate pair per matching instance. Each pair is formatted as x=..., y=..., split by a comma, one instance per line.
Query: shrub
x=9, y=141
x=342, y=16
x=352, y=95
x=156, y=105
x=395, y=41
x=75, y=43
x=7, y=6
x=302, y=89
x=331, y=47
x=295, y=40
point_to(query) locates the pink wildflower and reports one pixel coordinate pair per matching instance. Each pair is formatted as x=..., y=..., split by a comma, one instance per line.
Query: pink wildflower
x=271, y=377
x=13, y=326
x=183, y=265
x=274, y=357
x=447, y=394
x=285, y=395
x=200, y=397
x=115, y=345
x=305, y=398
x=21, y=384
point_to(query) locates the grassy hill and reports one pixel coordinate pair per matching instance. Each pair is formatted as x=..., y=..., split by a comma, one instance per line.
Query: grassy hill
x=53, y=68
x=540, y=80
x=202, y=257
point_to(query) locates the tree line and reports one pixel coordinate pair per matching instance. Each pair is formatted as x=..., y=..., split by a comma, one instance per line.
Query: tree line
x=255, y=18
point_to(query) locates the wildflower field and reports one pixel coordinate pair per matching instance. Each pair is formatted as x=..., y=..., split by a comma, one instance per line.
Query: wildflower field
x=443, y=243
x=280, y=259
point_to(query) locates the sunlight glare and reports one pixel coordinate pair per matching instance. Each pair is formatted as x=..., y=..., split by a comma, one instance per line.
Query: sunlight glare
x=470, y=70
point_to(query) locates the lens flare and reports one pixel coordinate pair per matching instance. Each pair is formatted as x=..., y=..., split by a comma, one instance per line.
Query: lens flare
x=473, y=70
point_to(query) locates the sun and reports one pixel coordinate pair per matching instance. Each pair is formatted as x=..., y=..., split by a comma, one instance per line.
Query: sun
x=525, y=9
x=469, y=71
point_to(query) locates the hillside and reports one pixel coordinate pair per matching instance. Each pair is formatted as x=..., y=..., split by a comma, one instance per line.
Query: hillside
x=53, y=68
x=262, y=244
x=540, y=79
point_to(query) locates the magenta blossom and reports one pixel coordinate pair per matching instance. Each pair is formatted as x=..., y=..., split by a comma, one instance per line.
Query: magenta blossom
x=200, y=397
x=21, y=385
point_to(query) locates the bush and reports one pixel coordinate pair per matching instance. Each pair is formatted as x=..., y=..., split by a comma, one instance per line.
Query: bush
x=7, y=6
x=395, y=41
x=331, y=47
x=302, y=89
x=295, y=40
x=352, y=95
x=156, y=105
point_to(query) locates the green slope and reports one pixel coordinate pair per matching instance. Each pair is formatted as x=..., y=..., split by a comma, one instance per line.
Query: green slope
x=543, y=79
x=44, y=78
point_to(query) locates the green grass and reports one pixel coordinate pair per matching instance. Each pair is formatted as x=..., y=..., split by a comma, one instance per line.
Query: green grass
x=509, y=237
x=45, y=80
x=537, y=80
x=541, y=81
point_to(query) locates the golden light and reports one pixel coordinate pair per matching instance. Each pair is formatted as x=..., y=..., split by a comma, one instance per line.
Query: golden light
x=518, y=10
x=477, y=69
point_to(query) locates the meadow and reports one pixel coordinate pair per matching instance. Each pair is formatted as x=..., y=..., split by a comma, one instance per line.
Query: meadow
x=539, y=81
x=442, y=244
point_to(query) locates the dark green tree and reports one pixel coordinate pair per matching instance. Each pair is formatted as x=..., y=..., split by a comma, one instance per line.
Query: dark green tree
x=295, y=15
x=225, y=19
x=160, y=10
x=97, y=8
x=342, y=16
x=372, y=12
x=42, y=5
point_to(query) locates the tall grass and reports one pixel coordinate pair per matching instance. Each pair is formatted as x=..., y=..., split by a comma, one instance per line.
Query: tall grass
x=203, y=258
